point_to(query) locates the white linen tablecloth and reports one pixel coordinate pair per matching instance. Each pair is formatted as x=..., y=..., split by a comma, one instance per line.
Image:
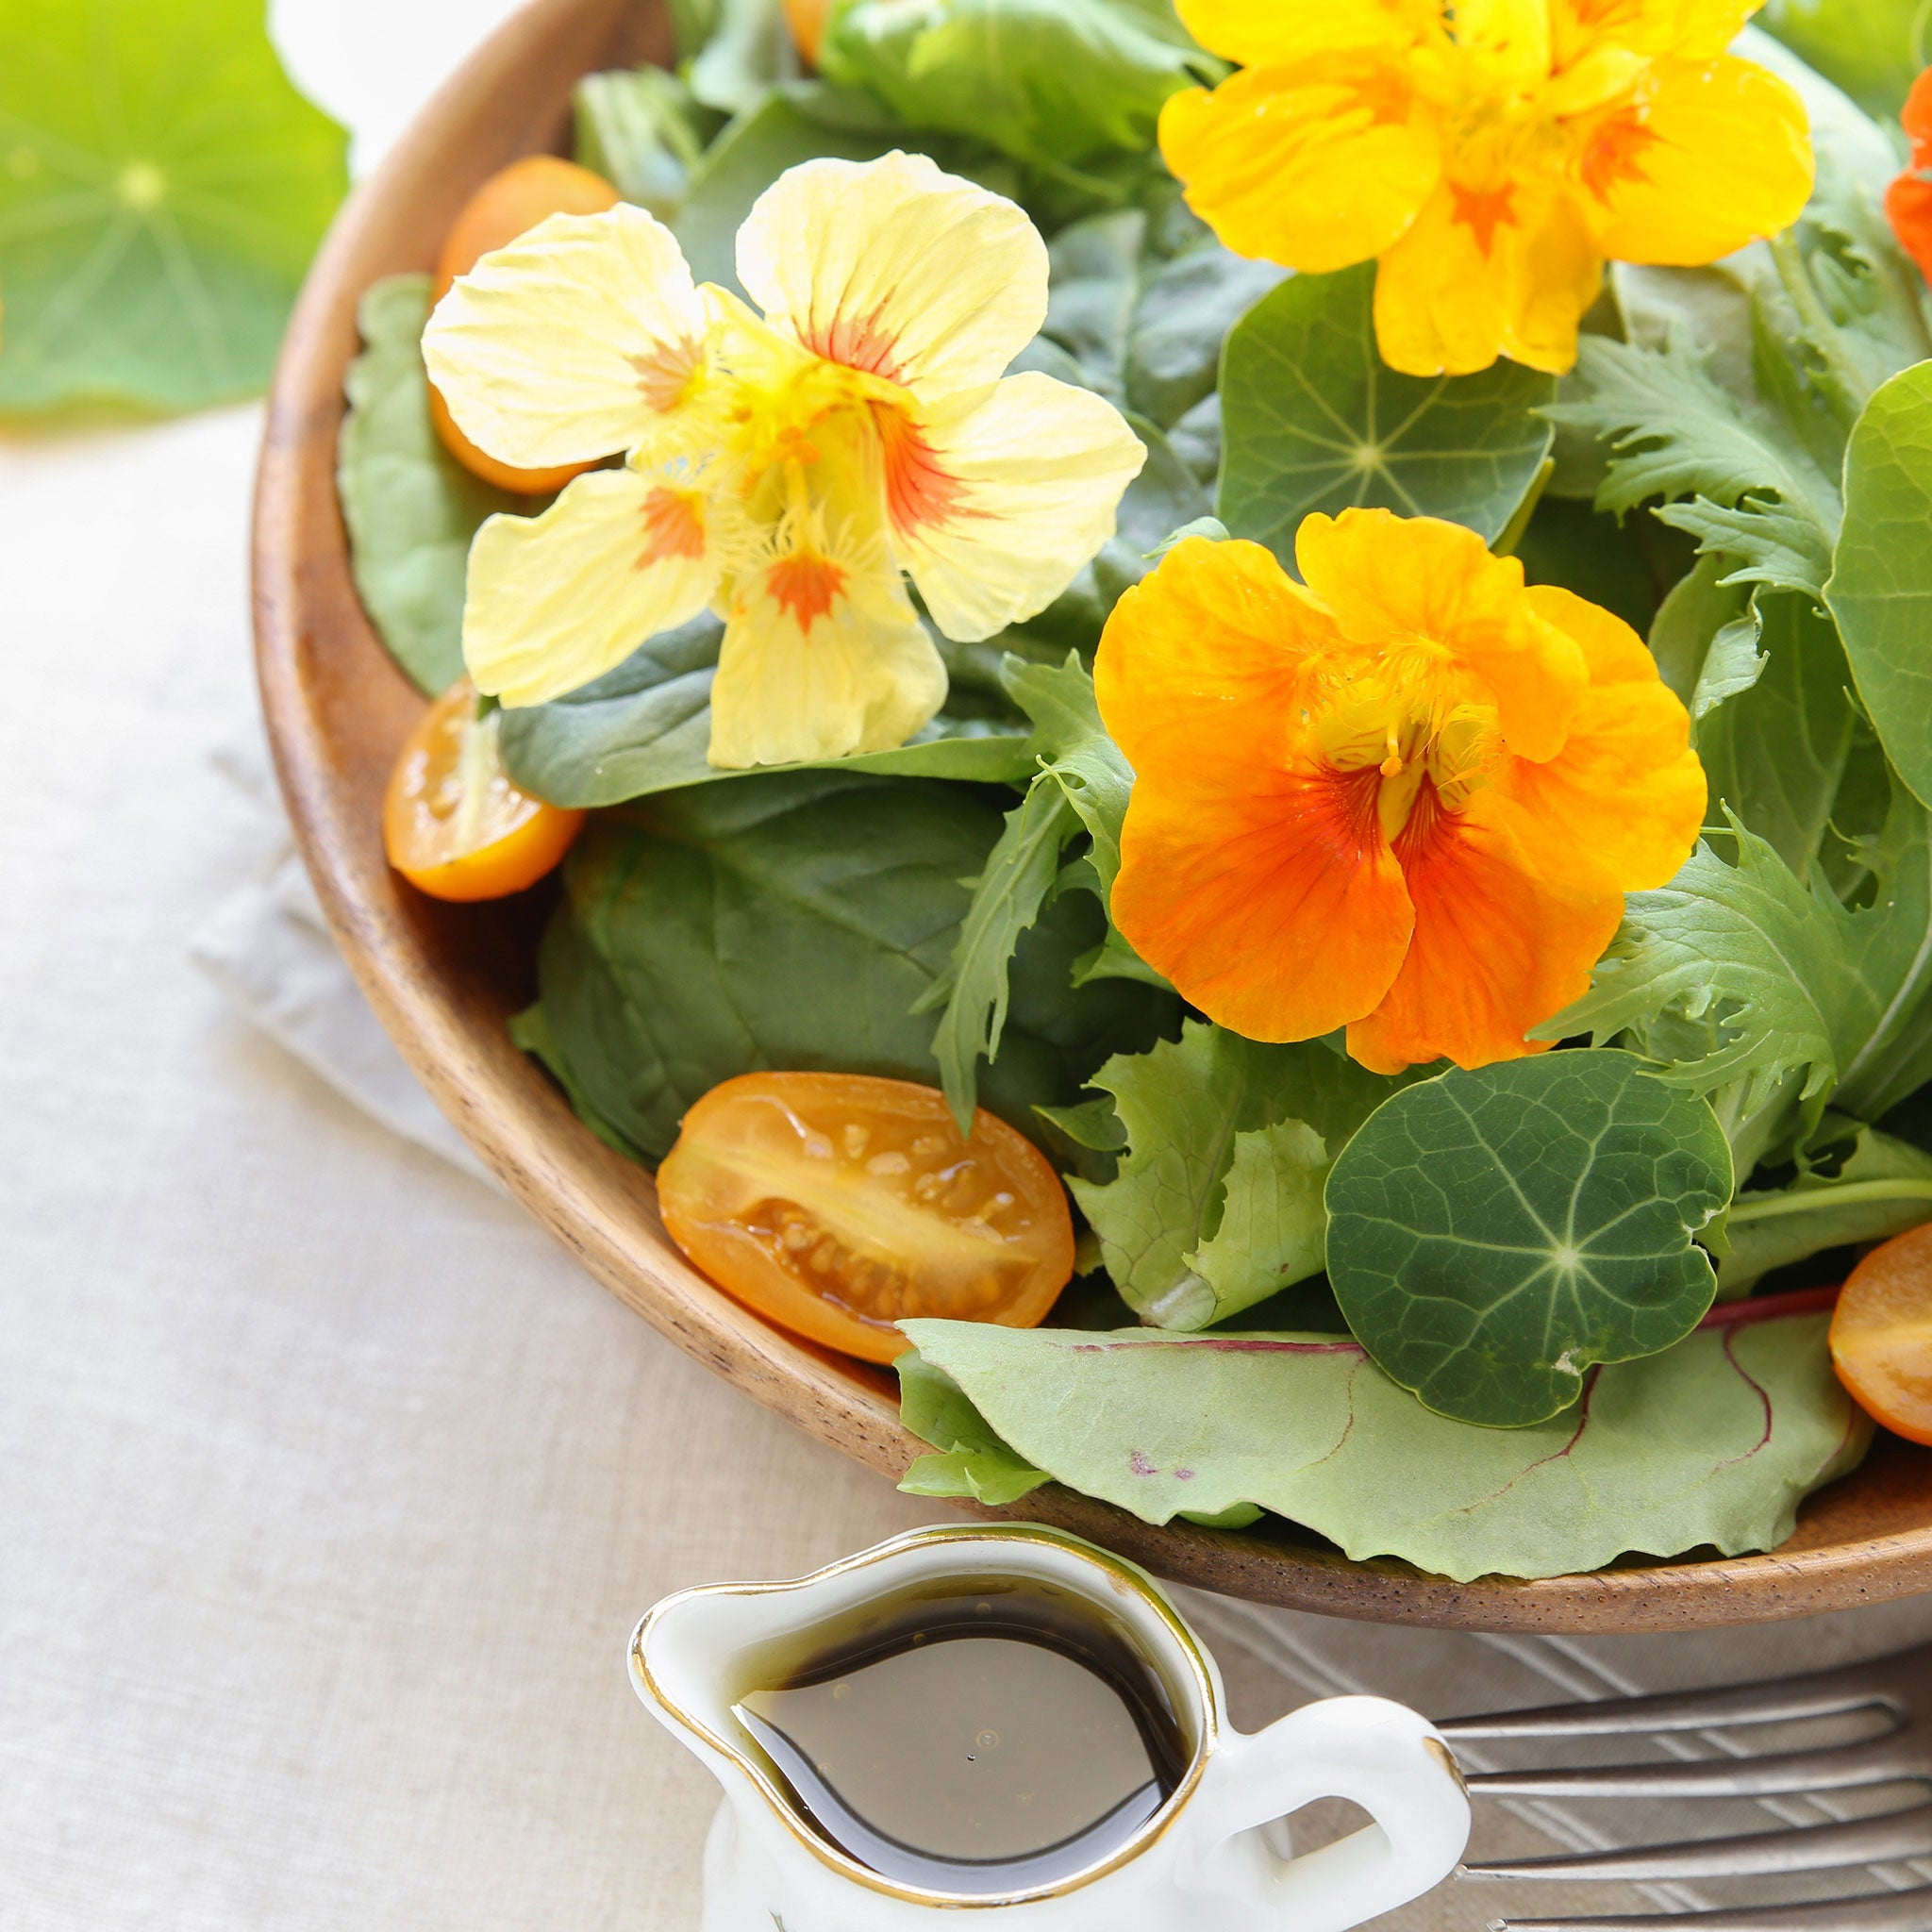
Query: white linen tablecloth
x=329, y=1489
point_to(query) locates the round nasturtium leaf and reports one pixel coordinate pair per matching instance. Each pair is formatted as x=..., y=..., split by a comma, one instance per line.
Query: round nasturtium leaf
x=1491, y=1235
x=1312, y=418
x=162, y=186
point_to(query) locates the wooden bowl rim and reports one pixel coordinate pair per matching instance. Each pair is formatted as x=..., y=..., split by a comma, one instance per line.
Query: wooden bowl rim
x=588, y=1198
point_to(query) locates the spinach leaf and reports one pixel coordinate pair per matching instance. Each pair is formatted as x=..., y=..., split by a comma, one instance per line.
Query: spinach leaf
x=1050, y=82
x=1218, y=1199
x=1714, y=1441
x=792, y=920
x=165, y=187
x=411, y=508
x=645, y=727
x=1491, y=1235
x=1312, y=420
x=1881, y=584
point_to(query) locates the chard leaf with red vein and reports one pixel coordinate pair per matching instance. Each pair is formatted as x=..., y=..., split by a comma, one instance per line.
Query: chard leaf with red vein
x=1712, y=1443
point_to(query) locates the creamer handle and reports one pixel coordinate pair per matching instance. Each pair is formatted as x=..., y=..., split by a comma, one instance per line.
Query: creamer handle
x=1378, y=1755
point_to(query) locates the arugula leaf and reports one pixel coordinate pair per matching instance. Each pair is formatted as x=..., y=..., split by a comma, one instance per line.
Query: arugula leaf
x=1881, y=586
x=1051, y=82
x=1143, y=300
x=1314, y=421
x=1712, y=1442
x=411, y=508
x=1492, y=1235
x=1755, y=491
x=1881, y=1188
x=1218, y=1201
x=644, y=727
x=792, y=919
x=165, y=187
x=644, y=131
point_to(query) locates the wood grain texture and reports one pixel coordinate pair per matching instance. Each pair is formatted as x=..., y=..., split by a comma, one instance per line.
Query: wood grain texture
x=445, y=978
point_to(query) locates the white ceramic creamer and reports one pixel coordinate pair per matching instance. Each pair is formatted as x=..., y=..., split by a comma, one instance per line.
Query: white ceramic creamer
x=1211, y=1857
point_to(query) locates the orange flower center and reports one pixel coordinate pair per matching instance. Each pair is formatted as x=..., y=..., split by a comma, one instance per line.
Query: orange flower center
x=805, y=585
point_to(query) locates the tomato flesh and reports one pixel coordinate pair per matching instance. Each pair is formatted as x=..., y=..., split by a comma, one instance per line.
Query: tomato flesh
x=509, y=204
x=839, y=1203
x=452, y=823
x=806, y=20
x=1881, y=1334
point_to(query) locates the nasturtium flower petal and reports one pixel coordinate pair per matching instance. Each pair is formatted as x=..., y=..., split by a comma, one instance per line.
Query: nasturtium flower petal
x=1628, y=782
x=1909, y=199
x=1264, y=33
x=1496, y=940
x=1509, y=38
x=1687, y=29
x=1711, y=156
x=895, y=268
x=1316, y=168
x=997, y=497
x=583, y=337
x=1407, y=799
x=1395, y=583
x=557, y=600
x=820, y=660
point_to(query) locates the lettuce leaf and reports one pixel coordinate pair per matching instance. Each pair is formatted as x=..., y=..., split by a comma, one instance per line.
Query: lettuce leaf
x=1712, y=1443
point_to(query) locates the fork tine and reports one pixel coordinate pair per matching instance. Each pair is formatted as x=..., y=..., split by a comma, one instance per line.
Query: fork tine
x=1886, y=1760
x=1905, y=1834
x=1820, y=1693
x=1884, y=1911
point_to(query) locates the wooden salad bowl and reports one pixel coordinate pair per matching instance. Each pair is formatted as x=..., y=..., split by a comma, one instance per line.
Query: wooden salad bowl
x=445, y=978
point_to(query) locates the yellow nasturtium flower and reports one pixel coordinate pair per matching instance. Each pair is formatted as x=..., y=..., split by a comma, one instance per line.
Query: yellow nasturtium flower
x=784, y=470
x=1406, y=799
x=1490, y=156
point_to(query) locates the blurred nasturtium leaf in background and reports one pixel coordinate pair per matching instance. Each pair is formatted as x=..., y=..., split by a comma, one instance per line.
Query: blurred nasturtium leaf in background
x=162, y=186
x=1874, y=49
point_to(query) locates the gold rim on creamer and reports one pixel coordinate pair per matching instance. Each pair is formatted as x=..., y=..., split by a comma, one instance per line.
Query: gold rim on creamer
x=842, y=1862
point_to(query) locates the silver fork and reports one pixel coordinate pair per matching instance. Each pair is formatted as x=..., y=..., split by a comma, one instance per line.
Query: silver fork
x=1897, y=1687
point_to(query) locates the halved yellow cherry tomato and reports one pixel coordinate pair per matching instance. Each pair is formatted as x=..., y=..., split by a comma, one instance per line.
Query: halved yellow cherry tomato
x=806, y=20
x=511, y=202
x=452, y=823
x=1881, y=1334
x=839, y=1203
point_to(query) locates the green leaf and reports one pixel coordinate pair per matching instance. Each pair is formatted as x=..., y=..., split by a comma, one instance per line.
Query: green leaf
x=1218, y=1201
x=747, y=51
x=163, y=187
x=1755, y=491
x=644, y=131
x=1711, y=1442
x=1699, y=606
x=1628, y=568
x=1881, y=586
x=1492, y=1235
x=1313, y=420
x=1143, y=305
x=411, y=508
x=1873, y=49
x=645, y=727
x=973, y=1460
x=1882, y=1187
x=1051, y=82
x=792, y=920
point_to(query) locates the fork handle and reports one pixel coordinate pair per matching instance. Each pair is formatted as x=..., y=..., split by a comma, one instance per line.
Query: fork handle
x=1378, y=1755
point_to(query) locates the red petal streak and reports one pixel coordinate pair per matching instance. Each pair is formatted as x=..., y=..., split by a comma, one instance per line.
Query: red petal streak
x=673, y=525
x=857, y=341
x=804, y=587
x=1615, y=154
x=919, y=491
x=1482, y=211
x=664, y=376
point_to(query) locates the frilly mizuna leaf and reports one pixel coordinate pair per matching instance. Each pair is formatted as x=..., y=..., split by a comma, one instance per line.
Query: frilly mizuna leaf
x=1218, y=1202
x=1313, y=419
x=1714, y=1442
x=162, y=185
x=1493, y=1234
x=411, y=507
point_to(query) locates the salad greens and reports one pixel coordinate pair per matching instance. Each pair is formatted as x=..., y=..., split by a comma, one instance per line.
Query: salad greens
x=1460, y=1318
x=162, y=185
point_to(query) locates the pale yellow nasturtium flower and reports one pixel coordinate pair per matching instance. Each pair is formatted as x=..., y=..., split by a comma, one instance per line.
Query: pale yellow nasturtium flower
x=783, y=470
x=1489, y=156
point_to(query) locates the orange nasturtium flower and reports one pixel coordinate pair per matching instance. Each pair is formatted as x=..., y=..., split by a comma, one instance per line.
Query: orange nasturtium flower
x=783, y=470
x=1908, y=200
x=1490, y=155
x=1406, y=800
